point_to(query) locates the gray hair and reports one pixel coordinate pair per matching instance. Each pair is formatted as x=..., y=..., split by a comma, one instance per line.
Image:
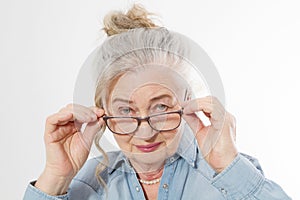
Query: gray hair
x=128, y=51
x=133, y=42
x=137, y=47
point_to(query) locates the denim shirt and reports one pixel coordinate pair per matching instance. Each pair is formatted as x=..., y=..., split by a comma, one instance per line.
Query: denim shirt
x=186, y=175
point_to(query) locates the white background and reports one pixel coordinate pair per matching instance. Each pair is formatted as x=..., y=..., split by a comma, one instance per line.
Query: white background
x=254, y=44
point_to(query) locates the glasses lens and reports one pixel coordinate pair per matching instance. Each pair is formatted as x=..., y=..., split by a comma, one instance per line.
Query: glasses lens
x=122, y=125
x=166, y=121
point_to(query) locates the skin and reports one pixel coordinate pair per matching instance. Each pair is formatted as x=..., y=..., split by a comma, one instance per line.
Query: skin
x=149, y=166
x=221, y=153
x=67, y=148
x=156, y=99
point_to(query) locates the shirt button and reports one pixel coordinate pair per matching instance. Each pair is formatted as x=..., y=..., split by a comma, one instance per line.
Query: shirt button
x=223, y=191
x=137, y=188
x=172, y=159
x=165, y=186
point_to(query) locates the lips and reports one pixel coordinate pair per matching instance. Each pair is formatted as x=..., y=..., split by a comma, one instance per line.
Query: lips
x=149, y=147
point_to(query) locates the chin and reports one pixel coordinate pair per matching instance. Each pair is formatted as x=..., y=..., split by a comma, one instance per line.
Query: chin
x=150, y=161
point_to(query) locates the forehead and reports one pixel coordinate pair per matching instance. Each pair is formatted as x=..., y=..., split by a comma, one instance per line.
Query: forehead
x=150, y=80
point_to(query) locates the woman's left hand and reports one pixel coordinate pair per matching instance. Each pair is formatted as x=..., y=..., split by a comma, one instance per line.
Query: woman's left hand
x=217, y=140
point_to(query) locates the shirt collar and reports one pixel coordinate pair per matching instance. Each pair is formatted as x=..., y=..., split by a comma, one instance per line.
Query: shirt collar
x=119, y=163
x=187, y=150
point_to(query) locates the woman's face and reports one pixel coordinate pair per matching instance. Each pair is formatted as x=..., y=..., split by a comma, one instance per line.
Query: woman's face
x=140, y=94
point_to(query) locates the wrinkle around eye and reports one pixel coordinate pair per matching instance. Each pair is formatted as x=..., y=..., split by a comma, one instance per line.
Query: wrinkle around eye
x=161, y=107
x=125, y=111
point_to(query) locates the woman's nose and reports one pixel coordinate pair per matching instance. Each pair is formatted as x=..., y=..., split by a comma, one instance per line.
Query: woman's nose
x=145, y=131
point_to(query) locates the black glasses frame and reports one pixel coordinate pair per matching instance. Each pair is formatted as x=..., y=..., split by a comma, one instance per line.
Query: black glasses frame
x=140, y=119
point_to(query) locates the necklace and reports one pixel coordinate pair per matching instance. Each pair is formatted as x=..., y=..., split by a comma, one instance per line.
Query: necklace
x=154, y=181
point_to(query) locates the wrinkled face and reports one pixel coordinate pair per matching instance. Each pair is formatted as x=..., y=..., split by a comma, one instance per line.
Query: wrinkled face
x=148, y=92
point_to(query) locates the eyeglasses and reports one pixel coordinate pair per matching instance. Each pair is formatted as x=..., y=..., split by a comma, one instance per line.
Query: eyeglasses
x=167, y=121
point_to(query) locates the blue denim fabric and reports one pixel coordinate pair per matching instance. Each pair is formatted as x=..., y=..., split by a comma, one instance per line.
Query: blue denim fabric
x=186, y=176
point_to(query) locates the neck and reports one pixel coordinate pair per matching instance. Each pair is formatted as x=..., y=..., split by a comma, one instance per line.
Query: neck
x=151, y=175
x=146, y=167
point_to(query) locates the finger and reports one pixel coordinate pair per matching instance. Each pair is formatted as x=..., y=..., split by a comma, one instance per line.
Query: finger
x=90, y=131
x=204, y=135
x=81, y=113
x=77, y=120
x=217, y=124
x=92, y=113
x=198, y=104
x=57, y=119
x=98, y=111
x=61, y=133
x=87, y=115
x=211, y=109
x=233, y=126
x=194, y=122
x=208, y=142
x=231, y=123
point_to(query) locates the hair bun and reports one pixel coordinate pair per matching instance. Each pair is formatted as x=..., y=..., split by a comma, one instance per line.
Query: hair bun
x=137, y=17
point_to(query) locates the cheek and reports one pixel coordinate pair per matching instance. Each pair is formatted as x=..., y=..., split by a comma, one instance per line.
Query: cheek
x=172, y=140
x=123, y=141
x=170, y=136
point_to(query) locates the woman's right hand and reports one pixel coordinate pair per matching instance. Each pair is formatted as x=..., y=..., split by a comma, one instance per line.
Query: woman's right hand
x=67, y=148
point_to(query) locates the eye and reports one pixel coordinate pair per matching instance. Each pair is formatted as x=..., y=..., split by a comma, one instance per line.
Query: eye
x=125, y=111
x=160, y=108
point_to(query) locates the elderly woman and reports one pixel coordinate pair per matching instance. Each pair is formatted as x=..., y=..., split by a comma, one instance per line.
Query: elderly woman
x=146, y=97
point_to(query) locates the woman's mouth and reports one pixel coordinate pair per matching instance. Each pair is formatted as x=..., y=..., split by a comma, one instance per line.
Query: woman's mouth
x=149, y=147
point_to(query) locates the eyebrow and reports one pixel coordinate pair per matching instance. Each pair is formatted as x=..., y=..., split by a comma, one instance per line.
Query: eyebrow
x=122, y=100
x=152, y=99
x=161, y=97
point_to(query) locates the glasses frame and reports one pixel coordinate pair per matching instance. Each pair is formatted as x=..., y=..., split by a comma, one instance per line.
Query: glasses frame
x=140, y=119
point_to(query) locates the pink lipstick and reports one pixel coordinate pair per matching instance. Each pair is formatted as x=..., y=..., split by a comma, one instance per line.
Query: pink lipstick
x=149, y=147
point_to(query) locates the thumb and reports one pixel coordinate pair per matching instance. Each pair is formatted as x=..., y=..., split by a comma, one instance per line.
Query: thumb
x=193, y=121
x=90, y=131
